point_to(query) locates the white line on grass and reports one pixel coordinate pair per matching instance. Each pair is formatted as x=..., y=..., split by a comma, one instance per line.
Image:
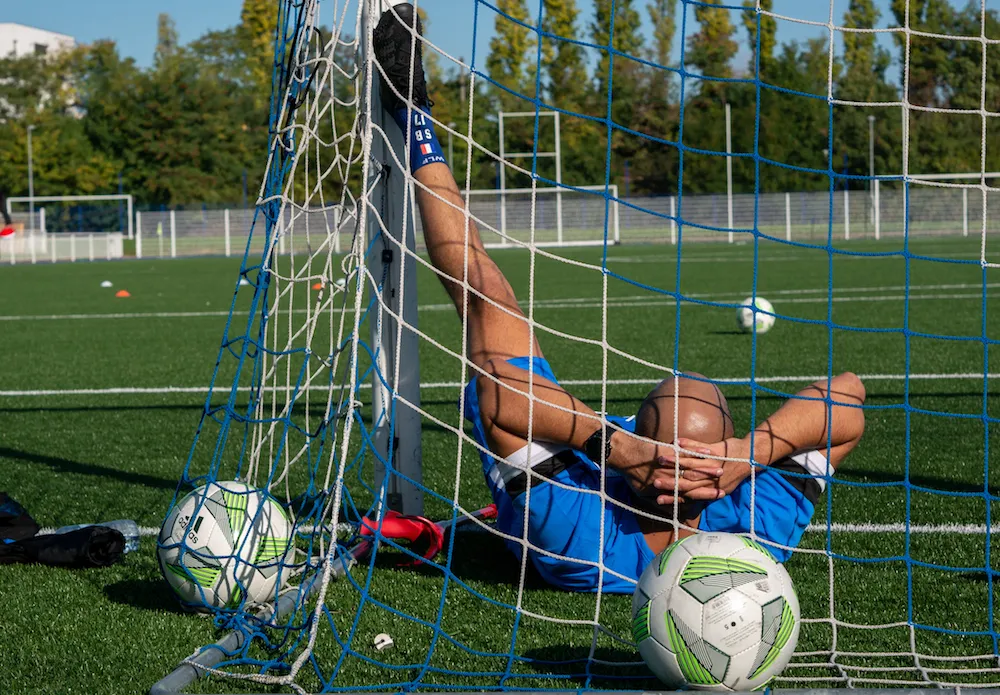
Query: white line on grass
x=958, y=529
x=166, y=390
x=155, y=530
x=648, y=300
x=767, y=257
x=944, y=529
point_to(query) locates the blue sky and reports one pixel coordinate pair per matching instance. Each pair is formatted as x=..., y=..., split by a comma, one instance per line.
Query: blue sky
x=132, y=23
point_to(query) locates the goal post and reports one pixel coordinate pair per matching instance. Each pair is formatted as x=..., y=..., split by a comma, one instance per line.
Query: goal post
x=545, y=217
x=124, y=220
x=390, y=234
x=68, y=228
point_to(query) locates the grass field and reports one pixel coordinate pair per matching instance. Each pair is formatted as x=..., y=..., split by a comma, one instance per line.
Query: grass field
x=77, y=446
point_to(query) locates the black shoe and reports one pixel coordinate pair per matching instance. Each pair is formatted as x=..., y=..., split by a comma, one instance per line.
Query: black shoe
x=393, y=47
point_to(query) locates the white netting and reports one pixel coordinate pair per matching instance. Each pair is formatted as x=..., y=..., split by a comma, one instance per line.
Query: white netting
x=876, y=583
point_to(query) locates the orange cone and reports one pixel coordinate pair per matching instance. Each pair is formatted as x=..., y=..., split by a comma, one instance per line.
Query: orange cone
x=122, y=294
x=318, y=286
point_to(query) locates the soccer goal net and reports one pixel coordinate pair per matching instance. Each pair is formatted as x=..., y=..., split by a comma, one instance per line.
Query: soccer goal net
x=336, y=383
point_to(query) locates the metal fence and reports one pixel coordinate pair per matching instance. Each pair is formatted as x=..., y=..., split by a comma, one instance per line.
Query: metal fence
x=549, y=218
x=173, y=233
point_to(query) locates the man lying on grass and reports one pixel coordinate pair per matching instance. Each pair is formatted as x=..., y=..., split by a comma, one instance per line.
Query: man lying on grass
x=575, y=454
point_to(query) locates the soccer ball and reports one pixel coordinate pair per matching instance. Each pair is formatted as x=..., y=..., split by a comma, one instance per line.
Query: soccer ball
x=223, y=543
x=715, y=612
x=745, y=315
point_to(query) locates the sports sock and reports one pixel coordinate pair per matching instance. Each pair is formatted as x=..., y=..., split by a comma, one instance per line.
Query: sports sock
x=424, y=146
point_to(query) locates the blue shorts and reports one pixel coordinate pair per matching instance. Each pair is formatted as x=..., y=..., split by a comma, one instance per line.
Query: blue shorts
x=565, y=518
x=781, y=512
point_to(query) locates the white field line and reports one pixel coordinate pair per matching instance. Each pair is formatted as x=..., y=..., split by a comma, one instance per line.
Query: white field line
x=155, y=530
x=776, y=258
x=944, y=529
x=647, y=300
x=167, y=390
x=957, y=529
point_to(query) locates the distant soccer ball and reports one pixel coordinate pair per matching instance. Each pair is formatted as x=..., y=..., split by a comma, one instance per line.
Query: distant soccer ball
x=745, y=316
x=715, y=612
x=223, y=543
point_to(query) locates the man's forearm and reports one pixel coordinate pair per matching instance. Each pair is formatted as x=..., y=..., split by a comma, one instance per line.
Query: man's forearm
x=556, y=415
x=553, y=414
x=807, y=422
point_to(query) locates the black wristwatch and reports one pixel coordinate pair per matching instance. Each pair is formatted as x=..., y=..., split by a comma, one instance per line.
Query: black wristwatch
x=592, y=447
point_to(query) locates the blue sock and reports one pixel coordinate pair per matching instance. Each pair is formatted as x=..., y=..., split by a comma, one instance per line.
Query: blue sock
x=424, y=146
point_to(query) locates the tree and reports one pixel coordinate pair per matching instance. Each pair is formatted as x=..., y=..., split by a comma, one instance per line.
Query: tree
x=653, y=164
x=569, y=90
x=166, y=39
x=663, y=18
x=507, y=62
x=561, y=58
x=768, y=29
x=257, y=31
x=39, y=91
x=947, y=73
x=928, y=57
x=712, y=49
x=619, y=81
x=617, y=25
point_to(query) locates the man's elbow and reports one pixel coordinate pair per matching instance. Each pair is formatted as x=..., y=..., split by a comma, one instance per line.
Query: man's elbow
x=850, y=390
x=850, y=385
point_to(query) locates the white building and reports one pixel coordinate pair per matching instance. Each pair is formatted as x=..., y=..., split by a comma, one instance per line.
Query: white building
x=21, y=40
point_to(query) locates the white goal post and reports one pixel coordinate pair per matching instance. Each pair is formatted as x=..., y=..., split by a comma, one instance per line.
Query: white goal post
x=546, y=217
x=34, y=200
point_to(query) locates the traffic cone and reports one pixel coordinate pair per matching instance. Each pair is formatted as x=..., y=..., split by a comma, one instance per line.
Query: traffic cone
x=122, y=294
x=318, y=286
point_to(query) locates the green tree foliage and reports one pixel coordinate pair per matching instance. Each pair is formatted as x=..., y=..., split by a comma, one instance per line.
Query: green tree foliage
x=508, y=62
x=563, y=59
x=186, y=129
x=569, y=89
x=947, y=74
x=864, y=81
x=768, y=31
x=617, y=24
x=36, y=91
x=167, y=41
x=712, y=49
x=620, y=79
x=256, y=33
x=653, y=162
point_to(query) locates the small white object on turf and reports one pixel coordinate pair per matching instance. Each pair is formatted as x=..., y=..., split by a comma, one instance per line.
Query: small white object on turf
x=382, y=641
x=341, y=283
x=244, y=281
x=106, y=283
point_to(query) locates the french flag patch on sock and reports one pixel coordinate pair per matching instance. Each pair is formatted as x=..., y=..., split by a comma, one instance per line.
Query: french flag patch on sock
x=426, y=148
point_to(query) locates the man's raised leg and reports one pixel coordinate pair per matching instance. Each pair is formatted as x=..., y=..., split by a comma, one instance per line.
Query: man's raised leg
x=498, y=328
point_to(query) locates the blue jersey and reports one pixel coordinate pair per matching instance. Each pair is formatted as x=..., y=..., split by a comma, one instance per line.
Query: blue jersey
x=582, y=530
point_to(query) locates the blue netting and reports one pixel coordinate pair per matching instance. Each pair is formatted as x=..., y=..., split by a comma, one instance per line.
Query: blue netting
x=282, y=413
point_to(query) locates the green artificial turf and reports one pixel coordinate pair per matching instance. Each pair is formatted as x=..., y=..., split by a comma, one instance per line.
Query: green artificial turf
x=72, y=458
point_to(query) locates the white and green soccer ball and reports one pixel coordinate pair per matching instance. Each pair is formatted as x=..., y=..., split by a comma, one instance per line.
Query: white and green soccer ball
x=746, y=318
x=715, y=612
x=224, y=543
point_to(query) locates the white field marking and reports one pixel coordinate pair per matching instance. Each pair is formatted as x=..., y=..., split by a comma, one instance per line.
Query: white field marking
x=775, y=258
x=649, y=300
x=959, y=529
x=944, y=529
x=342, y=528
x=166, y=390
